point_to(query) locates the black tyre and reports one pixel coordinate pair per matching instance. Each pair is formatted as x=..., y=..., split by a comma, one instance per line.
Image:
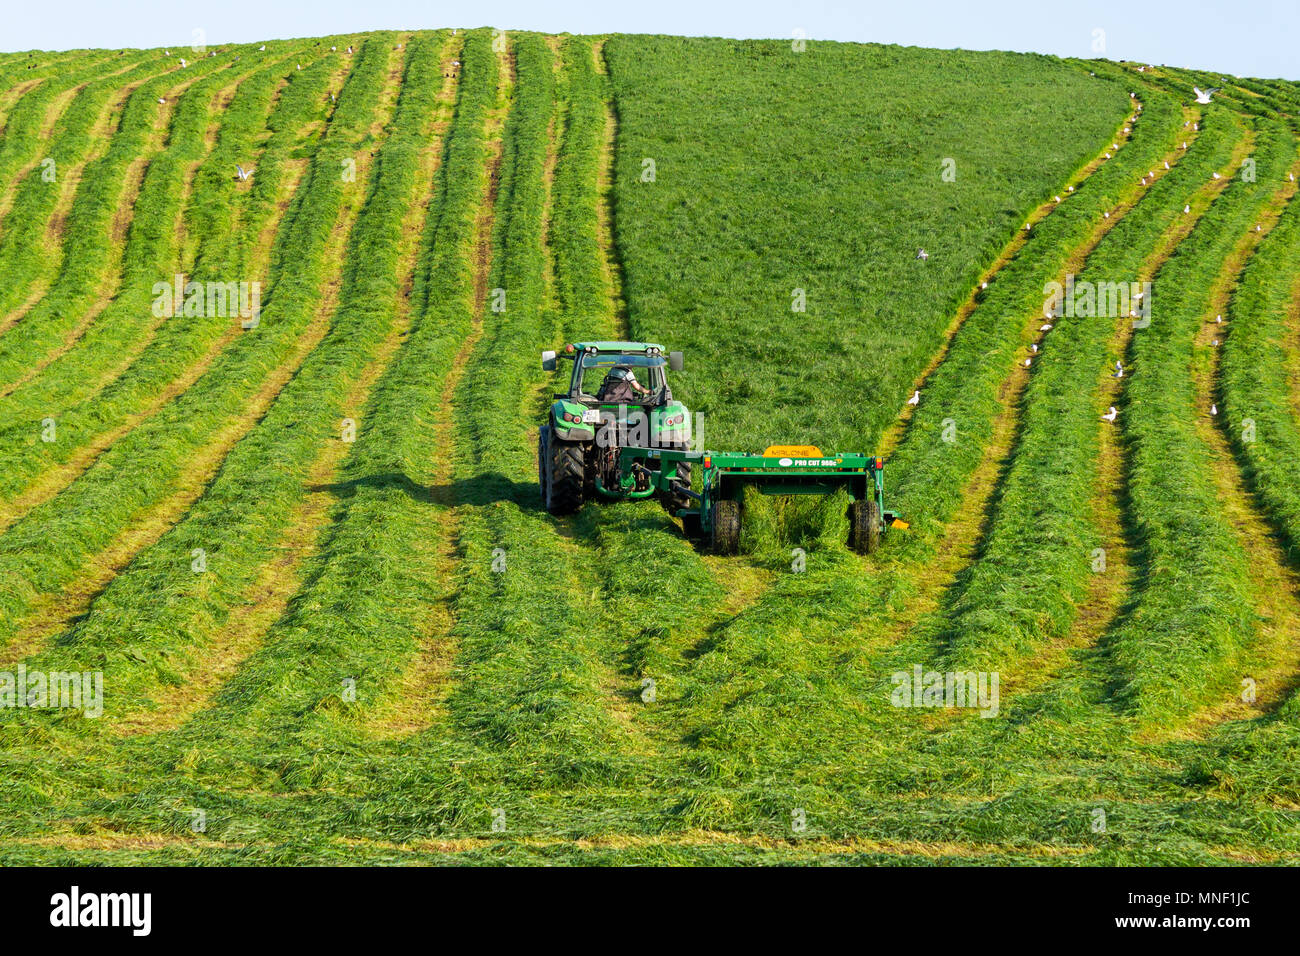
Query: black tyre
x=726, y=526
x=565, y=477
x=543, y=453
x=864, y=526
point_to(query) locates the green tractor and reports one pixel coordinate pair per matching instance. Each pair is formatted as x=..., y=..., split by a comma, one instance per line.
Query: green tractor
x=618, y=396
x=617, y=433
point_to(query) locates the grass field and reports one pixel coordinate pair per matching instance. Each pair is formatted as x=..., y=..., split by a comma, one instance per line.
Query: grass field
x=304, y=552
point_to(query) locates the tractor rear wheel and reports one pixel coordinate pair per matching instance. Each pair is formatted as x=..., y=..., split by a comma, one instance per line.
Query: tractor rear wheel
x=864, y=526
x=543, y=454
x=726, y=526
x=564, y=477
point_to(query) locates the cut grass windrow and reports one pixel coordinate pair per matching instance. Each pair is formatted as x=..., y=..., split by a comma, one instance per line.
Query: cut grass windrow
x=28, y=124
x=1032, y=567
x=82, y=123
x=251, y=503
x=95, y=228
x=46, y=549
x=32, y=470
x=376, y=571
x=122, y=315
x=1183, y=644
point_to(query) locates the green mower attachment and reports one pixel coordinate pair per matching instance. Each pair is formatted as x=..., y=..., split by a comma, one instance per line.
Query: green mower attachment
x=716, y=511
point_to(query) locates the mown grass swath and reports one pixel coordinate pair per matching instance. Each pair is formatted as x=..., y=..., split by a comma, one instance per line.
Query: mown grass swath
x=1261, y=758
x=36, y=197
x=150, y=255
x=21, y=143
x=527, y=683
x=87, y=235
x=1034, y=563
x=44, y=550
x=1182, y=644
x=927, y=472
x=376, y=570
x=252, y=499
x=223, y=217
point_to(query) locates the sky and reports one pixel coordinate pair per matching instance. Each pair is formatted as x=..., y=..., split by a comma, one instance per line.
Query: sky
x=1258, y=38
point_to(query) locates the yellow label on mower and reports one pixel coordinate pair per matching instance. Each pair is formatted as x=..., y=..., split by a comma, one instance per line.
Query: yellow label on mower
x=792, y=451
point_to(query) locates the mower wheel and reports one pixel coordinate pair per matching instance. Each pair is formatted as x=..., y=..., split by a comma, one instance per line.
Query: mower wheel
x=564, y=478
x=865, y=522
x=726, y=526
x=691, y=526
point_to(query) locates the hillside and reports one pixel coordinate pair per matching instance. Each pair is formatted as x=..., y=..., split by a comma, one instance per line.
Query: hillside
x=302, y=542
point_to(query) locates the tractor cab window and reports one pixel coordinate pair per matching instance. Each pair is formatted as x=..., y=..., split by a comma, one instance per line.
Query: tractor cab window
x=648, y=369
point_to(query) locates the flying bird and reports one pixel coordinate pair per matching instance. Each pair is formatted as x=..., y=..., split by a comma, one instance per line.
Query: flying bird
x=261, y=48
x=241, y=172
x=922, y=254
x=1203, y=96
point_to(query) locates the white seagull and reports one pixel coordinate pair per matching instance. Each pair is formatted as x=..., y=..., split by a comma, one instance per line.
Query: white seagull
x=1045, y=327
x=1119, y=370
x=922, y=254
x=1187, y=208
x=1110, y=415
x=1214, y=409
x=1203, y=96
x=916, y=398
x=261, y=48
x=241, y=172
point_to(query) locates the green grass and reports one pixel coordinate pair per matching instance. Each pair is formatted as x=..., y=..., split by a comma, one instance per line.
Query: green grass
x=611, y=681
x=849, y=188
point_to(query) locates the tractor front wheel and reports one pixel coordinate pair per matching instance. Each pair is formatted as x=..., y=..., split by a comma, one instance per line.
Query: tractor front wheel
x=564, y=476
x=865, y=522
x=726, y=526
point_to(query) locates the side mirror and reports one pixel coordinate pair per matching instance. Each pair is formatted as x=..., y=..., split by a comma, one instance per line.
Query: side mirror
x=548, y=361
x=675, y=361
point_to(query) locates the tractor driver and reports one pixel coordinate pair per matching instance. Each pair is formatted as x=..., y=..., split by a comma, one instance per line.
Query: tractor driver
x=621, y=386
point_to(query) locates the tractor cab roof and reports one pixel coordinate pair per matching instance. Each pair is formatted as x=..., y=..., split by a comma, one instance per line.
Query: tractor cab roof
x=618, y=346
